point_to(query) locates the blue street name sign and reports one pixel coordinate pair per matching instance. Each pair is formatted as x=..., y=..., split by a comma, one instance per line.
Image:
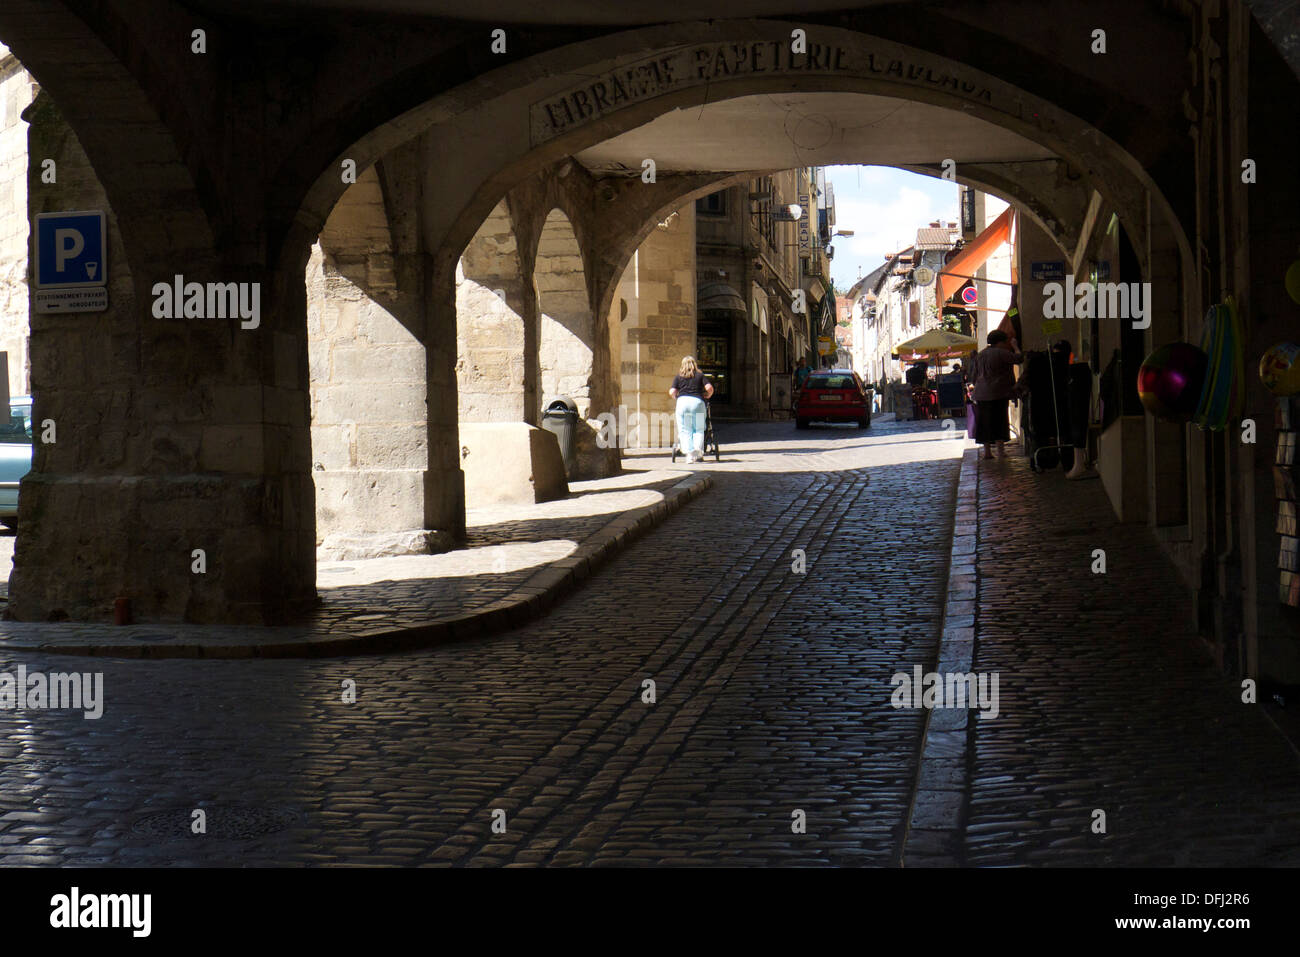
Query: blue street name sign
x=1045, y=271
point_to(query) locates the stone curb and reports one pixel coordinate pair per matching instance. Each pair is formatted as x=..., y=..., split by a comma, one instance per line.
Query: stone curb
x=534, y=598
x=936, y=829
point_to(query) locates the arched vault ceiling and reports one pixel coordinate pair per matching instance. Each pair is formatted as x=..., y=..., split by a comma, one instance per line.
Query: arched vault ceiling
x=780, y=131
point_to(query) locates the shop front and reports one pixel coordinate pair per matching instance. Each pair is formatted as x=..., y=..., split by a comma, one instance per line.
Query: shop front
x=719, y=306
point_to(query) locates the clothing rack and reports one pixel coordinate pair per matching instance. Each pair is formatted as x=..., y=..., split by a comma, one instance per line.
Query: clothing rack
x=1056, y=415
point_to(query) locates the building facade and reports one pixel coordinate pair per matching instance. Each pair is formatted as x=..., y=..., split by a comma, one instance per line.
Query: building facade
x=764, y=290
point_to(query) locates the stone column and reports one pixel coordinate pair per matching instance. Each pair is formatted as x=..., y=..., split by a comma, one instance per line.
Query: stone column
x=660, y=327
x=493, y=305
x=444, y=481
x=179, y=475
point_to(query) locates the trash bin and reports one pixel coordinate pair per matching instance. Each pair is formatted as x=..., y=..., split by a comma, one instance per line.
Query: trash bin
x=561, y=418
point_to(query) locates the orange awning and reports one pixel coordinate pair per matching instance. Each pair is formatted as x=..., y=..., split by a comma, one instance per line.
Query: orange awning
x=953, y=275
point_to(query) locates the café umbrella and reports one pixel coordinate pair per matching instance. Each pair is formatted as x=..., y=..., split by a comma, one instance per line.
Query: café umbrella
x=937, y=344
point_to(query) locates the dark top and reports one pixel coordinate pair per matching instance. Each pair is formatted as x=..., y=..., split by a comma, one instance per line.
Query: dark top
x=993, y=373
x=694, y=385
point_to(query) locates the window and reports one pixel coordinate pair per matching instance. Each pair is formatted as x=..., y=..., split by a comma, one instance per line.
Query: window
x=19, y=428
x=832, y=382
x=763, y=193
x=715, y=204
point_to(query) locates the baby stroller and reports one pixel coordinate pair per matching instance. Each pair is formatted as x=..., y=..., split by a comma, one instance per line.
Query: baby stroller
x=710, y=440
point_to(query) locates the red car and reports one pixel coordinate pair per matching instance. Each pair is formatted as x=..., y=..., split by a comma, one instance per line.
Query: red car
x=833, y=395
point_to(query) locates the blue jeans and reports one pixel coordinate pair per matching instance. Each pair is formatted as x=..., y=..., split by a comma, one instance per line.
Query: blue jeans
x=690, y=423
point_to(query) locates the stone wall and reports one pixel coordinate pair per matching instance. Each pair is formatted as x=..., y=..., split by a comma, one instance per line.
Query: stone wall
x=369, y=434
x=493, y=307
x=657, y=290
x=568, y=340
x=566, y=326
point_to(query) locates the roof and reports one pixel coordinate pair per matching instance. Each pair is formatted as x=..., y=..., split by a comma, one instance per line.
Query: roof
x=931, y=238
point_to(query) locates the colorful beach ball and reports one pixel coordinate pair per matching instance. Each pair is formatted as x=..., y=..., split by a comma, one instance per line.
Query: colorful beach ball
x=1279, y=368
x=1293, y=281
x=1170, y=381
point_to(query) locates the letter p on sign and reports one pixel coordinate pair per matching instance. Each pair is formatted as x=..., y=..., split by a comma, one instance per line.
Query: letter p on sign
x=70, y=250
x=68, y=244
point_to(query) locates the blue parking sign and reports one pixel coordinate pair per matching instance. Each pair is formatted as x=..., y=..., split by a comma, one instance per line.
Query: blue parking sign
x=71, y=250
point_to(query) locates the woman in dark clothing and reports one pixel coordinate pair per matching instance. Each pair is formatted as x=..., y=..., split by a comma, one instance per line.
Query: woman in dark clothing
x=690, y=388
x=994, y=378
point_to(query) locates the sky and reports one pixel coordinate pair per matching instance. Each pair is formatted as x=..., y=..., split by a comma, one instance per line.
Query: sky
x=884, y=207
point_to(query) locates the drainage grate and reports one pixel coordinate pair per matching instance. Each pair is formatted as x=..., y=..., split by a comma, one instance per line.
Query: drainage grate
x=232, y=822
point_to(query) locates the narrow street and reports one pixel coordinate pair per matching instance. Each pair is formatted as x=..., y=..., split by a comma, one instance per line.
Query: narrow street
x=772, y=696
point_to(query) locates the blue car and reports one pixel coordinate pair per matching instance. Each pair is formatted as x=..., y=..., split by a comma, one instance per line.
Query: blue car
x=15, y=456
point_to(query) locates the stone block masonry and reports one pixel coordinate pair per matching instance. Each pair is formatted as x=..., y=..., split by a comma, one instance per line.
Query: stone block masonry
x=652, y=321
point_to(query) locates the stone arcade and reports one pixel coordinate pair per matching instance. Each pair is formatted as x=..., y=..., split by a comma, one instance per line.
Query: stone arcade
x=484, y=170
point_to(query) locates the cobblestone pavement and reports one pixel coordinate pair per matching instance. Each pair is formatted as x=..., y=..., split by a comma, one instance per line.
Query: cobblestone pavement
x=512, y=553
x=771, y=697
x=1108, y=701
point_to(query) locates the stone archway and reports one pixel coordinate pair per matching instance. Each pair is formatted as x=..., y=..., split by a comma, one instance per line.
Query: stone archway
x=519, y=129
x=496, y=328
x=569, y=338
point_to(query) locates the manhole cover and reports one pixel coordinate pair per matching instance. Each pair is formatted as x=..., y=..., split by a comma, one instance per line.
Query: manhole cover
x=232, y=822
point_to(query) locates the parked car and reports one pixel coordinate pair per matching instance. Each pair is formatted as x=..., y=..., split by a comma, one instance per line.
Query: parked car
x=833, y=395
x=15, y=456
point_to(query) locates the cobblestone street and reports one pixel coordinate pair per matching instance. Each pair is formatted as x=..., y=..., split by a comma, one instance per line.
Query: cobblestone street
x=1109, y=701
x=772, y=696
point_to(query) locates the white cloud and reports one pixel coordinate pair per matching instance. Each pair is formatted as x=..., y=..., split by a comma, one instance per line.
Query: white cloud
x=885, y=225
x=884, y=207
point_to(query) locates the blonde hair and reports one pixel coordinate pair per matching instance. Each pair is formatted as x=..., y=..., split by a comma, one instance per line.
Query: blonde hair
x=689, y=367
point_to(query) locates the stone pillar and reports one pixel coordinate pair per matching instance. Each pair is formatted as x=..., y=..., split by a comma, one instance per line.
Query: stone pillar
x=659, y=328
x=573, y=347
x=369, y=431
x=173, y=435
x=444, y=482
x=494, y=308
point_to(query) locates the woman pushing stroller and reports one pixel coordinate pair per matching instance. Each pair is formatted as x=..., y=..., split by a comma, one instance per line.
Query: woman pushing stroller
x=690, y=388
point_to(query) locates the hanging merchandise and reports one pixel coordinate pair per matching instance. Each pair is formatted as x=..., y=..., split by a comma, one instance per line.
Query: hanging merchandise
x=1171, y=379
x=1223, y=343
x=1279, y=368
x=1285, y=466
x=1293, y=281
